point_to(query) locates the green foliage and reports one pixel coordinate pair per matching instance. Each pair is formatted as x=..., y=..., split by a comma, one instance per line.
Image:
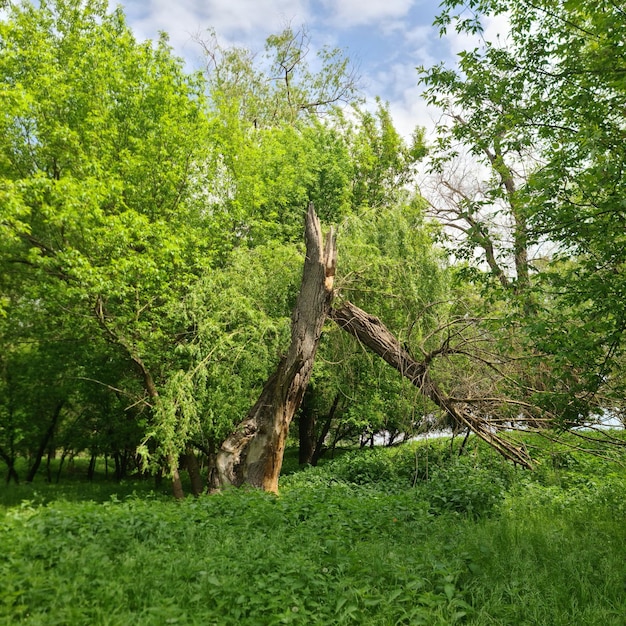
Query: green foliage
x=540, y=108
x=151, y=220
x=327, y=550
x=99, y=138
x=392, y=268
x=385, y=166
x=279, y=86
x=464, y=489
x=368, y=466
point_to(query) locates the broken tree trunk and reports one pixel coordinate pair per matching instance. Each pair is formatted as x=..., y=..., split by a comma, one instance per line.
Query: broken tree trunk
x=371, y=332
x=253, y=453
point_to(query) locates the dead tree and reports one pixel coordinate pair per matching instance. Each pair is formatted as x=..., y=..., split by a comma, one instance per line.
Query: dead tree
x=253, y=453
x=373, y=334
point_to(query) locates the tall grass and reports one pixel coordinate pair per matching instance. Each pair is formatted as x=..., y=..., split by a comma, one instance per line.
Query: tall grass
x=366, y=539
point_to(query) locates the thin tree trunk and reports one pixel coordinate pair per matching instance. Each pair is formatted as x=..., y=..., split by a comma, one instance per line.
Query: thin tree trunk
x=371, y=332
x=319, y=444
x=91, y=470
x=10, y=461
x=58, y=476
x=44, y=442
x=193, y=469
x=253, y=453
x=177, y=484
x=117, y=461
x=51, y=455
x=306, y=429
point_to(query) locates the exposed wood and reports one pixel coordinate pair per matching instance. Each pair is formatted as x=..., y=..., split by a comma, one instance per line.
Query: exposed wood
x=372, y=333
x=253, y=453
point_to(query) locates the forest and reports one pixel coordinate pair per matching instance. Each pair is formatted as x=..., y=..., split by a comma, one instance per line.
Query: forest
x=383, y=365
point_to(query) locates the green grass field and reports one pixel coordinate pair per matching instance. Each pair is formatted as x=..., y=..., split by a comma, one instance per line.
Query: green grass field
x=396, y=536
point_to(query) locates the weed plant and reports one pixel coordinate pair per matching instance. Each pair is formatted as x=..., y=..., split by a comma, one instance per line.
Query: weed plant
x=372, y=537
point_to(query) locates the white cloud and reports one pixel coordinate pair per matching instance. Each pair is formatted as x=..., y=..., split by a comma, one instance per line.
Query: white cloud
x=496, y=29
x=348, y=13
x=241, y=22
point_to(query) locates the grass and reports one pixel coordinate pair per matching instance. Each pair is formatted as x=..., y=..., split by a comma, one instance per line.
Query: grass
x=352, y=542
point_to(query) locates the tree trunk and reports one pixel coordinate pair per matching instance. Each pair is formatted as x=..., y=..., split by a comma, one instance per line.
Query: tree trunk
x=306, y=429
x=253, y=453
x=319, y=444
x=177, y=484
x=91, y=470
x=51, y=455
x=10, y=461
x=60, y=469
x=44, y=442
x=371, y=332
x=193, y=469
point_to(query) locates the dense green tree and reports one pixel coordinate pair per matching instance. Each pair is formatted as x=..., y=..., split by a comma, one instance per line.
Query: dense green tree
x=279, y=86
x=385, y=164
x=101, y=137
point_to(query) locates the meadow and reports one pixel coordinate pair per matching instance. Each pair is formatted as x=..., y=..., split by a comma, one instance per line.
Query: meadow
x=407, y=535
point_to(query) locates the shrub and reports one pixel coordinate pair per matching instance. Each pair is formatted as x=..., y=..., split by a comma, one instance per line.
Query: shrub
x=461, y=488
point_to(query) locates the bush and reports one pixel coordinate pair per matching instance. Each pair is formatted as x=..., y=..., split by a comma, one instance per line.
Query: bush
x=332, y=548
x=402, y=466
x=365, y=466
x=464, y=489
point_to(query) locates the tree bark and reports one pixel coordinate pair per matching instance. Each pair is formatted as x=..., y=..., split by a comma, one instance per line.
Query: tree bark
x=372, y=333
x=91, y=469
x=177, y=483
x=319, y=444
x=253, y=453
x=10, y=461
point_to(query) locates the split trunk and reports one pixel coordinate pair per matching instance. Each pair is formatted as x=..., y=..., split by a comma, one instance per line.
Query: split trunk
x=253, y=453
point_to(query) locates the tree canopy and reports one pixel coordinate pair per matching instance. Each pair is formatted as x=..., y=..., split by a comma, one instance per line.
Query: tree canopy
x=152, y=223
x=541, y=110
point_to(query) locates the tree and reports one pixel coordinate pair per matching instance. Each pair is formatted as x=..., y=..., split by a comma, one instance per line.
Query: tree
x=253, y=453
x=541, y=108
x=279, y=87
x=369, y=330
x=130, y=190
x=100, y=140
x=385, y=165
x=148, y=215
x=480, y=159
x=391, y=266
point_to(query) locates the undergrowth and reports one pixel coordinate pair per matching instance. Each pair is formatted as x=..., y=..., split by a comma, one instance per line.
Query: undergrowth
x=411, y=535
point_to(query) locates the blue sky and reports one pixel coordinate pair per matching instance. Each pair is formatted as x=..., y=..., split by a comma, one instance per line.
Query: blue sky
x=386, y=39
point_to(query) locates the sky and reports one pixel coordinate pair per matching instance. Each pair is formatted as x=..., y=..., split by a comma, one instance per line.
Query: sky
x=385, y=39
